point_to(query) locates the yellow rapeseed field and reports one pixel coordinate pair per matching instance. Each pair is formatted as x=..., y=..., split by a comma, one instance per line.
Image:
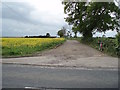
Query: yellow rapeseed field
x=12, y=46
x=8, y=42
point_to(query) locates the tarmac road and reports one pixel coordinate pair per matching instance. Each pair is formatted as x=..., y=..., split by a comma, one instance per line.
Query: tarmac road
x=20, y=76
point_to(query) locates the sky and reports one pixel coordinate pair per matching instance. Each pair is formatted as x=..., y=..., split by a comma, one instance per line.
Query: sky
x=34, y=17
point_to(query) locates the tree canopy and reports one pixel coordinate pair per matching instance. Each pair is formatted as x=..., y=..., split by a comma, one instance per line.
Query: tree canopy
x=90, y=17
x=47, y=34
x=62, y=32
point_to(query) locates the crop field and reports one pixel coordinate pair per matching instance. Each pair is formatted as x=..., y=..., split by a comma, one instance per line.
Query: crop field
x=25, y=46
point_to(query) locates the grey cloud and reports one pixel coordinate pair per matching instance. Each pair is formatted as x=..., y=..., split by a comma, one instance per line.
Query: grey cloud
x=20, y=11
x=14, y=28
x=16, y=21
x=17, y=11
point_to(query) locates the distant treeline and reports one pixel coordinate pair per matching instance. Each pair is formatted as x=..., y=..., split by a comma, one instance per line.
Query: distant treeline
x=40, y=36
x=107, y=37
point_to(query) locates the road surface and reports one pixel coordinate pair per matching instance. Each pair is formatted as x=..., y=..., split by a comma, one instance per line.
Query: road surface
x=70, y=54
x=20, y=76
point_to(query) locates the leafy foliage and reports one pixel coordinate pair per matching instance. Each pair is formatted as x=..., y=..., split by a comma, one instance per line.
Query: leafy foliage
x=62, y=32
x=92, y=17
x=118, y=41
x=118, y=38
x=109, y=45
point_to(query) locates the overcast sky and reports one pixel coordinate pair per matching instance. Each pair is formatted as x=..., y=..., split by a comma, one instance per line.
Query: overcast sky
x=34, y=17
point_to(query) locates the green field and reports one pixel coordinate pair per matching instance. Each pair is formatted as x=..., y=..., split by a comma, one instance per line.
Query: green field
x=27, y=46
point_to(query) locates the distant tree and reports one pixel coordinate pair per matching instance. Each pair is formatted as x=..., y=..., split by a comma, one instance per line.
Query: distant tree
x=75, y=31
x=69, y=35
x=62, y=32
x=104, y=36
x=47, y=34
x=26, y=36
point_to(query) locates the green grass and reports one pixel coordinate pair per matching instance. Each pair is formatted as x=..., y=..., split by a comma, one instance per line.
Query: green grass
x=25, y=50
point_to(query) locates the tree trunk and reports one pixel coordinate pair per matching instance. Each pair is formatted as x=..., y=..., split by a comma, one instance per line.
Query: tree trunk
x=75, y=35
x=87, y=36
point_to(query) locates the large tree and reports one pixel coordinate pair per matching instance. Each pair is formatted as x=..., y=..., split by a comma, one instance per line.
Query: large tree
x=91, y=17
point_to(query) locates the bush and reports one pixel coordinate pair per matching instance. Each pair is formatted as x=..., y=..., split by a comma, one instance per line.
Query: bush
x=118, y=42
x=109, y=45
x=118, y=39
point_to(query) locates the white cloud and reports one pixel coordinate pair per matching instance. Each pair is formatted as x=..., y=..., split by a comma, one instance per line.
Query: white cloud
x=51, y=11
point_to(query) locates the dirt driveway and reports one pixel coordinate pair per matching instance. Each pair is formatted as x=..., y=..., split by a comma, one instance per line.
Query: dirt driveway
x=71, y=54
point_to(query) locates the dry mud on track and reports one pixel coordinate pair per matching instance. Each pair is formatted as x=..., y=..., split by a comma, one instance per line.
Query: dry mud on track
x=70, y=54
